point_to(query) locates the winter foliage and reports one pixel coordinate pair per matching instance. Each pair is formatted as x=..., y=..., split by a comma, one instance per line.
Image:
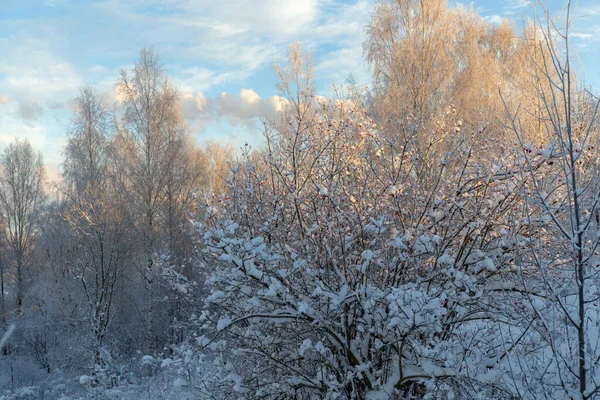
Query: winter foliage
x=401, y=241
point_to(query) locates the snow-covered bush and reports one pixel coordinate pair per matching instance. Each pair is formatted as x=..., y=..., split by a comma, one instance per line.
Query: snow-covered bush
x=351, y=261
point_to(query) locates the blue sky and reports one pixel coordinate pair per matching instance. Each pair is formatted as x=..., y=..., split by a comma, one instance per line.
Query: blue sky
x=219, y=52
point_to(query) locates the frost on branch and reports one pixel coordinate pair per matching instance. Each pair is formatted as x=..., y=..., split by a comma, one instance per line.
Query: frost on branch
x=352, y=263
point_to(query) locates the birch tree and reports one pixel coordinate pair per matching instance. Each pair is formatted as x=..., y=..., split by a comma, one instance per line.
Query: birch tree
x=87, y=151
x=151, y=147
x=21, y=195
x=96, y=215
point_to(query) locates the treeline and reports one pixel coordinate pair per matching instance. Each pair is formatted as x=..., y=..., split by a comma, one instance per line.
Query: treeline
x=434, y=236
x=94, y=266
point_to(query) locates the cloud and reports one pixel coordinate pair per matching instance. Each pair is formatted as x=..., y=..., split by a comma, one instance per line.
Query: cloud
x=115, y=95
x=34, y=78
x=204, y=46
x=583, y=35
x=249, y=97
x=201, y=102
x=32, y=71
x=228, y=41
x=339, y=36
x=12, y=127
x=30, y=111
x=53, y=176
x=277, y=17
x=515, y=5
x=277, y=104
x=494, y=19
x=195, y=78
x=243, y=109
x=27, y=119
x=99, y=69
x=587, y=26
x=233, y=35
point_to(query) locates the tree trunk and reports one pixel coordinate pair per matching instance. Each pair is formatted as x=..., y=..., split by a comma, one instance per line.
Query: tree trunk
x=19, y=283
x=150, y=308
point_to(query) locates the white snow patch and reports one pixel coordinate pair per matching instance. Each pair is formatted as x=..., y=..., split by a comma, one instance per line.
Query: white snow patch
x=223, y=323
x=179, y=382
x=166, y=362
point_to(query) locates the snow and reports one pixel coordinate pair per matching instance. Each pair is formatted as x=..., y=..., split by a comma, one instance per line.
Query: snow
x=323, y=191
x=166, y=362
x=306, y=345
x=223, y=323
x=179, y=382
x=147, y=360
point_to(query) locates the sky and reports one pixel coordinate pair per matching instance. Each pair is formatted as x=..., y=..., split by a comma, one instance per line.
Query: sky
x=219, y=53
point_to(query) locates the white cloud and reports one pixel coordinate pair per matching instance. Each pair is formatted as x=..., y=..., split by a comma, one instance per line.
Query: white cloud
x=201, y=102
x=194, y=78
x=227, y=41
x=228, y=17
x=53, y=180
x=249, y=96
x=12, y=127
x=25, y=120
x=32, y=71
x=4, y=99
x=203, y=45
x=243, y=109
x=99, y=69
x=35, y=80
x=278, y=104
x=582, y=35
x=515, y=5
x=494, y=19
x=342, y=29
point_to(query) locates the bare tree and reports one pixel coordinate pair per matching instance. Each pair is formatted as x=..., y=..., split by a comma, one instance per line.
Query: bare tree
x=426, y=56
x=563, y=203
x=99, y=243
x=151, y=143
x=211, y=162
x=95, y=214
x=87, y=150
x=21, y=195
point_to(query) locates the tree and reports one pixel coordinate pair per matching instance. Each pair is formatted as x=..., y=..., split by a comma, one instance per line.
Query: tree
x=96, y=215
x=407, y=48
x=87, y=152
x=99, y=246
x=426, y=56
x=211, y=161
x=21, y=195
x=151, y=143
x=563, y=202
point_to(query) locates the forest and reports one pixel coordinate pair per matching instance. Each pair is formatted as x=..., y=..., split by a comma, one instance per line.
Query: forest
x=433, y=235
